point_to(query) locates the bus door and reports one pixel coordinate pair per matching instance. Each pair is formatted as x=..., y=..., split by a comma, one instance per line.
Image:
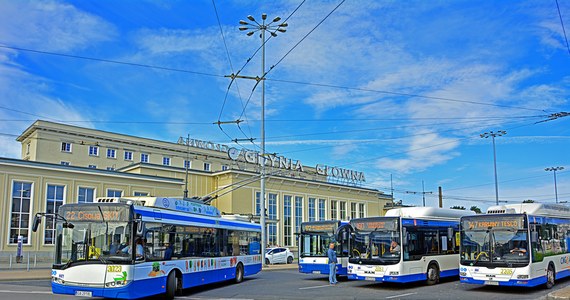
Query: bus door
x=344, y=239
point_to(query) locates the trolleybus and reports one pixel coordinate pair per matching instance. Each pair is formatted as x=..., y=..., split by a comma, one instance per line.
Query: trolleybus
x=516, y=245
x=140, y=246
x=407, y=244
x=314, y=241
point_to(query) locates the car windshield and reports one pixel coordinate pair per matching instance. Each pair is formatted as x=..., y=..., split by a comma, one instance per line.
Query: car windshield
x=495, y=243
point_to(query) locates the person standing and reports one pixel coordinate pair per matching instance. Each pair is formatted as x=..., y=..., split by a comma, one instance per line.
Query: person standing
x=331, y=253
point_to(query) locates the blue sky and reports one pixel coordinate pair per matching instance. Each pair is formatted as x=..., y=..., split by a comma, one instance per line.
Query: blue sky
x=401, y=88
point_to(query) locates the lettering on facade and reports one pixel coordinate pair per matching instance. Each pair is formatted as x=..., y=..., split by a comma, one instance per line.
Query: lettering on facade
x=207, y=145
x=341, y=173
x=272, y=160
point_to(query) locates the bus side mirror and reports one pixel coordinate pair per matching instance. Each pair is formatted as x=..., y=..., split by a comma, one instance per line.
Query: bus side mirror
x=344, y=236
x=36, y=224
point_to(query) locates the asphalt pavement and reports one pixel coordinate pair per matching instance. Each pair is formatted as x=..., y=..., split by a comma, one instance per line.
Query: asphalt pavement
x=43, y=271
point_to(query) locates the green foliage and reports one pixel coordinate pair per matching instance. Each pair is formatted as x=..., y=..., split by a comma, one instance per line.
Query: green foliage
x=476, y=209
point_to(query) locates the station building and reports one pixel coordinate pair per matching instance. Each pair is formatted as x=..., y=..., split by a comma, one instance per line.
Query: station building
x=68, y=164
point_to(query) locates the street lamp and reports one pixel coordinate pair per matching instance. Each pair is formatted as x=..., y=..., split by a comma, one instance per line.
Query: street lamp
x=254, y=26
x=554, y=169
x=493, y=135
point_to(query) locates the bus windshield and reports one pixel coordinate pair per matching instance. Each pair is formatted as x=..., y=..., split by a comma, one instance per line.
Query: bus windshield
x=98, y=235
x=495, y=241
x=376, y=241
x=316, y=244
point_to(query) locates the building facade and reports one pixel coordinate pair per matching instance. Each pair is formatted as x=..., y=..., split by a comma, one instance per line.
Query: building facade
x=68, y=164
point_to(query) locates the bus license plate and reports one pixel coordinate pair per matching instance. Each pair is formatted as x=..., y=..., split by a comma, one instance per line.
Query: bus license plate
x=370, y=278
x=488, y=282
x=316, y=272
x=84, y=293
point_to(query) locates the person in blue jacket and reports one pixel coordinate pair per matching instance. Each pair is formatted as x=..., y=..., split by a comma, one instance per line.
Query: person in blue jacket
x=331, y=253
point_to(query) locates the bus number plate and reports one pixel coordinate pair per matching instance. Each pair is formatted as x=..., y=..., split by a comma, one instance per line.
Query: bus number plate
x=316, y=272
x=84, y=293
x=370, y=278
x=488, y=282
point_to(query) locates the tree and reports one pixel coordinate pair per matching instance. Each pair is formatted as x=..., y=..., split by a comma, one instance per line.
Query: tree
x=528, y=201
x=458, y=207
x=476, y=209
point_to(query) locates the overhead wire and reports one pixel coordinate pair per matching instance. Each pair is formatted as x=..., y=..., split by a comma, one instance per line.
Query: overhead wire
x=111, y=61
x=406, y=94
x=562, y=24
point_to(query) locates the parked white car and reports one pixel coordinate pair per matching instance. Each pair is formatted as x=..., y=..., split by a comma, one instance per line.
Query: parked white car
x=278, y=255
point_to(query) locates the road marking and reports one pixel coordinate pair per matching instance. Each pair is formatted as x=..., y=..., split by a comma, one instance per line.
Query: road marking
x=314, y=287
x=402, y=295
x=25, y=292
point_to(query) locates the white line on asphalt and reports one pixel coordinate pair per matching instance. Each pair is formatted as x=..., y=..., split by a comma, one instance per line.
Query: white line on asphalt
x=402, y=295
x=313, y=287
x=25, y=292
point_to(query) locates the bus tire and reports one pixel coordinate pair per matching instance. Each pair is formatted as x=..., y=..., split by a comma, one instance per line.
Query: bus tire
x=550, y=277
x=171, y=286
x=432, y=274
x=239, y=273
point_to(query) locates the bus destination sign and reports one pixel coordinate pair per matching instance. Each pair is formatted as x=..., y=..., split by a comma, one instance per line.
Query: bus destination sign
x=495, y=222
x=376, y=224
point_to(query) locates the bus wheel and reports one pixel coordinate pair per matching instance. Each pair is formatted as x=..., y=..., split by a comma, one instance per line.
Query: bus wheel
x=289, y=260
x=432, y=274
x=239, y=273
x=550, y=277
x=171, y=285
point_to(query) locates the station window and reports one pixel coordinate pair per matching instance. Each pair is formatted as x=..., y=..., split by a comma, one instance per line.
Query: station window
x=20, y=212
x=85, y=195
x=93, y=151
x=128, y=155
x=54, y=199
x=65, y=147
x=111, y=153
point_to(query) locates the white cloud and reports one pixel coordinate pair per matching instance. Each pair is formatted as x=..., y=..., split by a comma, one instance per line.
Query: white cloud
x=50, y=26
x=423, y=151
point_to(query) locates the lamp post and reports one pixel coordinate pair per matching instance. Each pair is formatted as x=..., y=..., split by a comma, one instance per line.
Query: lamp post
x=254, y=26
x=554, y=169
x=493, y=135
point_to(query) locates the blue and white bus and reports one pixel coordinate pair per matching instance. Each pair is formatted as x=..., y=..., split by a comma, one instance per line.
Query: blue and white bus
x=407, y=244
x=516, y=245
x=134, y=247
x=314, y=241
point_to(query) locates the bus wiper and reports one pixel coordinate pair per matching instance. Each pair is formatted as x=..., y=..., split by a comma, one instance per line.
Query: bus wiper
x=479, y=255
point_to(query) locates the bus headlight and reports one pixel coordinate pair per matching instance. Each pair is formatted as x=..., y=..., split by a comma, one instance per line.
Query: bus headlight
x=462, y=273
x=57, y=280
x=118, y=283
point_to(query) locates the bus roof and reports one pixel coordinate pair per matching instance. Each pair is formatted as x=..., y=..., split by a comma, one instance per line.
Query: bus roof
x=428, y=212
x=170, y=203
x=540, y=209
